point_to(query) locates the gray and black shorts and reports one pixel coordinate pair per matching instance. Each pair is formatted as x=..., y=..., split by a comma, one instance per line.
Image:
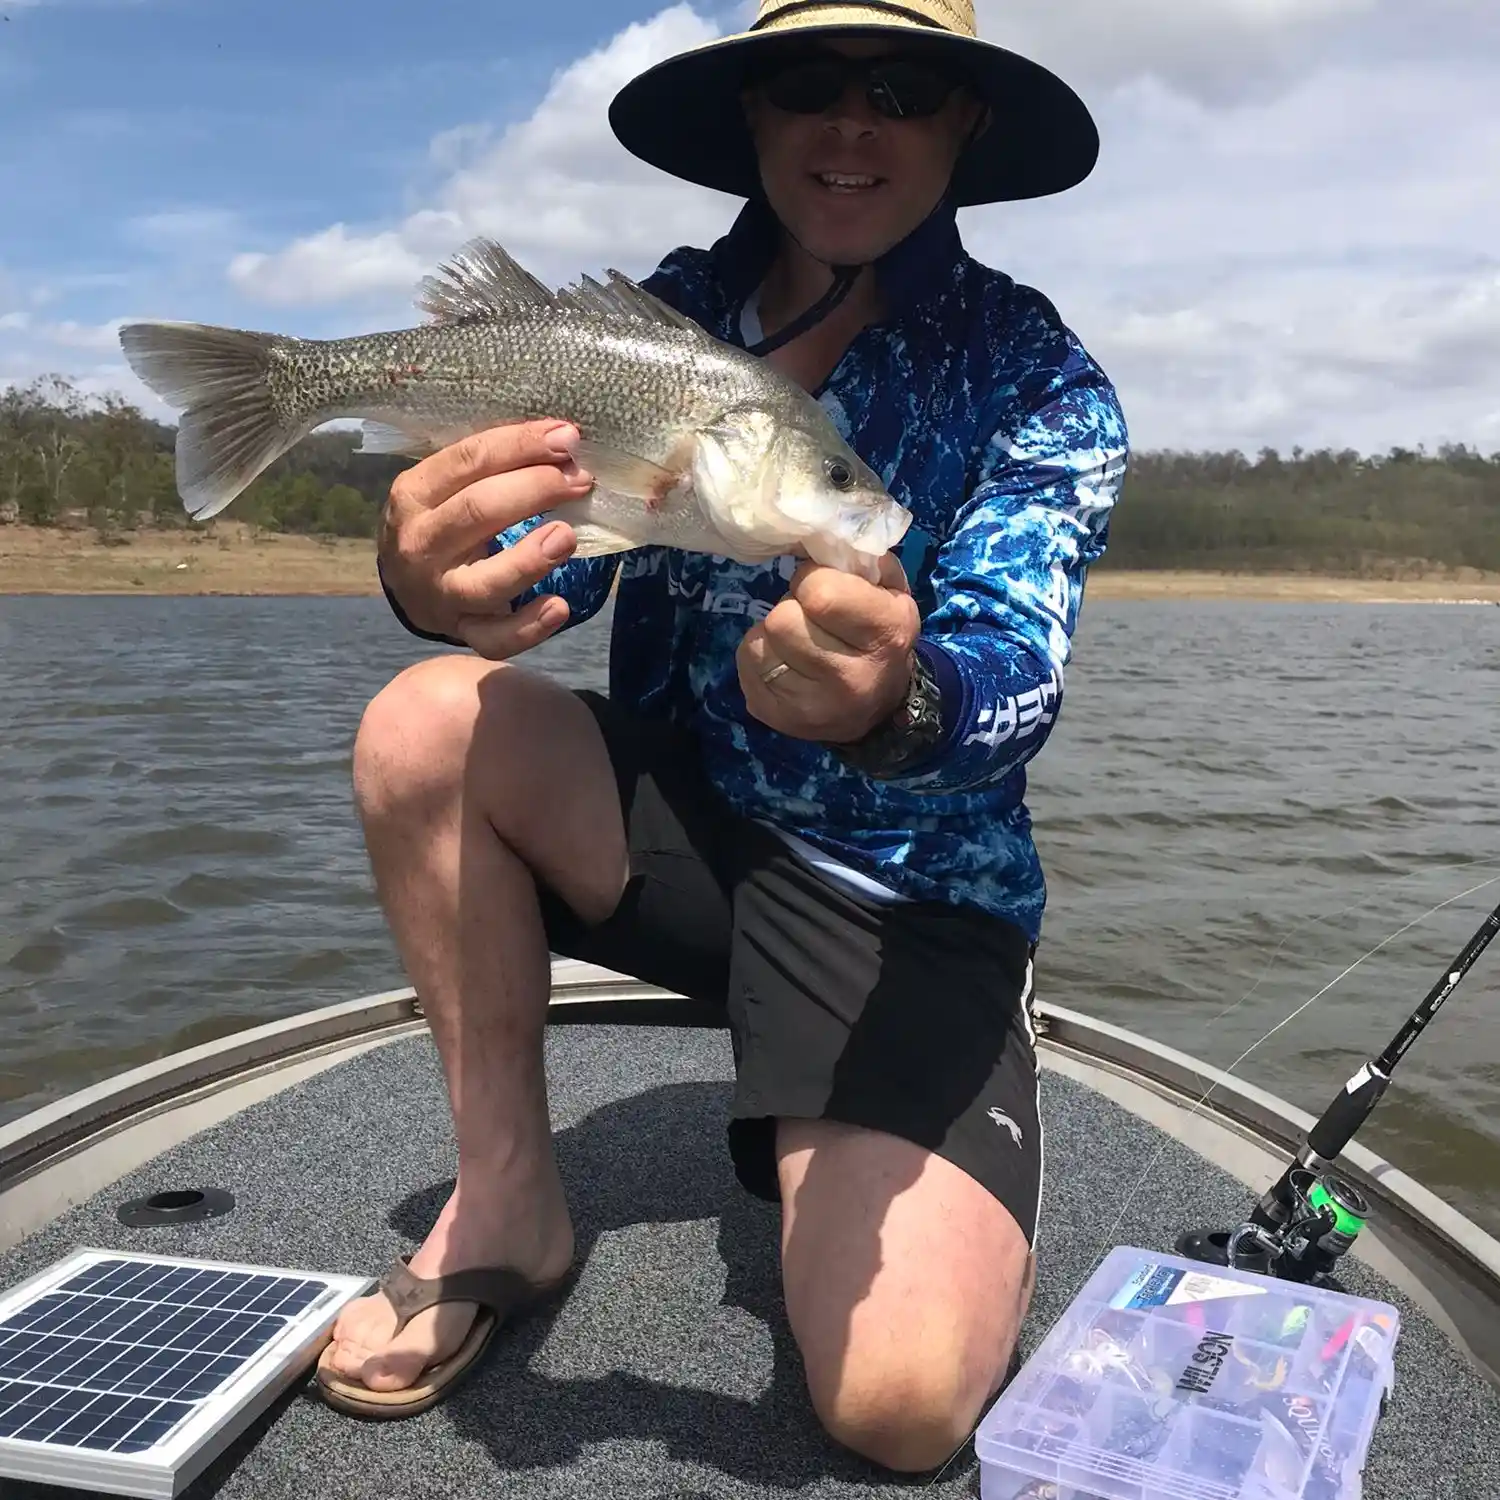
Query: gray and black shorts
x=911, y=1018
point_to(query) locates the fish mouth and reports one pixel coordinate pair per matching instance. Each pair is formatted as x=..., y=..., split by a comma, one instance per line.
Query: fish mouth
x=846, y=183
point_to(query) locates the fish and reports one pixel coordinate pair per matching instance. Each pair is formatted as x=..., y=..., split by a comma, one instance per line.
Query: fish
x=692, y=443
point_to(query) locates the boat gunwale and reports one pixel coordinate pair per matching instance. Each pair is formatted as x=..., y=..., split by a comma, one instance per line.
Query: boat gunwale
x=584, y=994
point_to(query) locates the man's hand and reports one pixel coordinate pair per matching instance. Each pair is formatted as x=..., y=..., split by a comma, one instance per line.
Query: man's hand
x=442, y=514
x=847, y=645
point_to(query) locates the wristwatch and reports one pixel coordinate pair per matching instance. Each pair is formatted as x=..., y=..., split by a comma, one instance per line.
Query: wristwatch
x=906, y=738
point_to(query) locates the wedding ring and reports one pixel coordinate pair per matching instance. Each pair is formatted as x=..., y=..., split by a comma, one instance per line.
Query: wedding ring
x=775, y=672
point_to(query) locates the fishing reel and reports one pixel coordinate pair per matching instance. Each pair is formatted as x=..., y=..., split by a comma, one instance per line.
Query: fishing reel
x=1299, y=1231
x=1307, y=1222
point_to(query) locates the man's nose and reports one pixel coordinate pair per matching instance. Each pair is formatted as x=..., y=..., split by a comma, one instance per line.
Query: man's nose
x=851, y=116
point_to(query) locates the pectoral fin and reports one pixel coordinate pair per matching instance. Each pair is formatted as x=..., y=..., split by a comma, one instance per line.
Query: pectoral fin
x=625, y=473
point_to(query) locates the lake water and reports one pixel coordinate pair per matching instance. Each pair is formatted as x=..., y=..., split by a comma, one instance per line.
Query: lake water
x=1239, y=801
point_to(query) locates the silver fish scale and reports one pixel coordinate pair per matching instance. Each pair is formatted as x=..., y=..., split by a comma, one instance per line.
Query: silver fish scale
x=626, y=383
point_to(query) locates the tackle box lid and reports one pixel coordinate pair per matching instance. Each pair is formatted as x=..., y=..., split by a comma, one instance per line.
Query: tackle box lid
x=1169, y=1379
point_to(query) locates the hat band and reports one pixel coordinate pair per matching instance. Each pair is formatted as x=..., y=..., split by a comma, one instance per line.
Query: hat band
x=916, y=17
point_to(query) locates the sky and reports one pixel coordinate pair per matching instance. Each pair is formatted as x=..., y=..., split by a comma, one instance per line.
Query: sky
x=1292, y=237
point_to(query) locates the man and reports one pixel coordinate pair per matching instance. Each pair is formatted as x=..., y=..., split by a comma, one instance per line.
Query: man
x=802, y=799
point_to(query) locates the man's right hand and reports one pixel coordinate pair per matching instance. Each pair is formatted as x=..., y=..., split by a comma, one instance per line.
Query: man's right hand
x=441, y=515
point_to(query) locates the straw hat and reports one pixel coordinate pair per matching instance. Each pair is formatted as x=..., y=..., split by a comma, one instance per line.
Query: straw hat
x=684, y=114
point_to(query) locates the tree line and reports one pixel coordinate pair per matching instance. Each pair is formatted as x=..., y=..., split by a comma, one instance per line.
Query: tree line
x=66, y=457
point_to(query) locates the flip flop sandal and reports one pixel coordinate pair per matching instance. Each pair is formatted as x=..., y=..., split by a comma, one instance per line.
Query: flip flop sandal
x=501, y=1294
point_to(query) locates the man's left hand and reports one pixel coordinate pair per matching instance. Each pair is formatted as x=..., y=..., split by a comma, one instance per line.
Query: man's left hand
x=847, y=647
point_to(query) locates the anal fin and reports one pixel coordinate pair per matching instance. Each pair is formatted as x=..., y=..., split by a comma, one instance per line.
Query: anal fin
x=385, y=437
x=595, y=540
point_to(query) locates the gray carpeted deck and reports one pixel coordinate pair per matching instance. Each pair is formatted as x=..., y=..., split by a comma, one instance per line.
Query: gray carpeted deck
x=670, y=1371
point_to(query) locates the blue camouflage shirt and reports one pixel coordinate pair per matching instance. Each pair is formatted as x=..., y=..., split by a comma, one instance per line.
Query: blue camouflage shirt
x=986, y=418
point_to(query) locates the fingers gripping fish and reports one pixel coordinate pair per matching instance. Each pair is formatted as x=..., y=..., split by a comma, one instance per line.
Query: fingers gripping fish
x=692, y=443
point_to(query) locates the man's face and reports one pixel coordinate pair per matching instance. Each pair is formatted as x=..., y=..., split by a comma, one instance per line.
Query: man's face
x=848, y=182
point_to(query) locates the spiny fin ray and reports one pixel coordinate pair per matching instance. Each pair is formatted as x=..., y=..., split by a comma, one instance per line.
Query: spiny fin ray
x=482, y=282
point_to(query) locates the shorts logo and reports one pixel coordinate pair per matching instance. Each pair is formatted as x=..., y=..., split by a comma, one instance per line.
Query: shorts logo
x=1003, y=1120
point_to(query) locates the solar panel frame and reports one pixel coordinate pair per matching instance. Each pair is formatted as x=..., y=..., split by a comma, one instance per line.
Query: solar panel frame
x=208, y=1423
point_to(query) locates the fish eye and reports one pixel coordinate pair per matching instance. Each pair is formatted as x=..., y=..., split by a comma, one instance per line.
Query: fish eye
x=840, y=475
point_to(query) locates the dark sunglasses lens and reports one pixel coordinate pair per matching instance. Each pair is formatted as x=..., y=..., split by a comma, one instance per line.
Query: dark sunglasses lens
x=904, y=90
x=806, y=88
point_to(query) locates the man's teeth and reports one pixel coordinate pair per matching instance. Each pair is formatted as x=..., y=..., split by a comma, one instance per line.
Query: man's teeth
x=846, y=181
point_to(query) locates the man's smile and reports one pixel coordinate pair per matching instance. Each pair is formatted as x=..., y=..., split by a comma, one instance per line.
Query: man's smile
x=847, y=182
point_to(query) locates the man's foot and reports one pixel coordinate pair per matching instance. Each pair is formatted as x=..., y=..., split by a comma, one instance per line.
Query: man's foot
x=365, y=1348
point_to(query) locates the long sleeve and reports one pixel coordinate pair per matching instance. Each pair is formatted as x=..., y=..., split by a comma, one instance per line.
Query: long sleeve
x=1008, y=582
x=583, y=581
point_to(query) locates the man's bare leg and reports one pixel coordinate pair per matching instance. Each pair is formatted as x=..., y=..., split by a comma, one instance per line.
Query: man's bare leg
x=470, y=776
x=906, y=1285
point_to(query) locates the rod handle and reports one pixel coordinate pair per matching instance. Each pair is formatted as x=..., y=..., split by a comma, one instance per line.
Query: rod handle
x=1349, y=1110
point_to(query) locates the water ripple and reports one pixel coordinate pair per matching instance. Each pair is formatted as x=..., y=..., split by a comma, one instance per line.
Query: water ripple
x=1238, y=800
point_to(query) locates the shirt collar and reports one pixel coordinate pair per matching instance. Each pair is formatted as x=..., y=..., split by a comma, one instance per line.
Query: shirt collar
x=910, y=273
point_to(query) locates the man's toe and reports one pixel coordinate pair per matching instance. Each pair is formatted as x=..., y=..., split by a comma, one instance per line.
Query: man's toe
x=382, y=1363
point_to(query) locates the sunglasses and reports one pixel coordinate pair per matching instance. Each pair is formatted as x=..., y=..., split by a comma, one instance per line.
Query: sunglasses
x=897, y=88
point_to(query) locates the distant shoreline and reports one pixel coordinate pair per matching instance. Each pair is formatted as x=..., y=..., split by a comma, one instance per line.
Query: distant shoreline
x=228, y=558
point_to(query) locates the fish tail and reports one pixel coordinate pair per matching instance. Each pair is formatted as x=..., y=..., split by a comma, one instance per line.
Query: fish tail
x=230, y=429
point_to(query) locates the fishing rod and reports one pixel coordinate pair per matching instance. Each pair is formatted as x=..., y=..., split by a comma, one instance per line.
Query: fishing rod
x=1310, y=1217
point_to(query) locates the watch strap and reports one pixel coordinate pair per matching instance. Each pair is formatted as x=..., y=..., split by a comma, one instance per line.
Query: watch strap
x=908, y=737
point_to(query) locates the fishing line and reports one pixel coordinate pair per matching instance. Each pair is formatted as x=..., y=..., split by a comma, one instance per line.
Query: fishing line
x=1477, y=864
x=1096, y=1259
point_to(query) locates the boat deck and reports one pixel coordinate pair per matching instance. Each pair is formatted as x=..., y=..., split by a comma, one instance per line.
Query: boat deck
x=670, y=1371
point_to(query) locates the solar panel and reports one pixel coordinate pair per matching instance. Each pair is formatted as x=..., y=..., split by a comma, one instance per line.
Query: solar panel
x=129, y=1373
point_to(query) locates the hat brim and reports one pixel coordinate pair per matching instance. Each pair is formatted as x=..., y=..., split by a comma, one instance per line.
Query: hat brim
x=685, y=116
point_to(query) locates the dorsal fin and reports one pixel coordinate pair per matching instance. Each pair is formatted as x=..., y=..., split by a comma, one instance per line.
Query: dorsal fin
x=586, y=296
x=622, y=298
x=482, y=281
x=643, y=304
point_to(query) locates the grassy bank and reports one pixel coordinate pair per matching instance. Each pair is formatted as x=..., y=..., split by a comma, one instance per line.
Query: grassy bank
x=224, y=557
x=1458, y=586
x=229, y=557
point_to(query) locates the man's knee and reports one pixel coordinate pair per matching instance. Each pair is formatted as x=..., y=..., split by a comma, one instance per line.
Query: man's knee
x=900, y=1411
x=414, y=737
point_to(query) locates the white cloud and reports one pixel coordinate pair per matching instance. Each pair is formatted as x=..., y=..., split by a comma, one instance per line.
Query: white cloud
x=95, y=337
x=556, y=189
x=1287, y=239
x=1291, y=236
x=1321, y=357
x=86, y=354
x=331, y=265
x=1318, y=269
x=190, y=231
x=94, y=378
x=1207, y=48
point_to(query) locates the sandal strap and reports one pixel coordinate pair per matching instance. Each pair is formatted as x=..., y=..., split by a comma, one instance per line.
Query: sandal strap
x=498, y=1288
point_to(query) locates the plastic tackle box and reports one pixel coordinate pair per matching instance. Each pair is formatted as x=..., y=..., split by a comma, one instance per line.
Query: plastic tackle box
x=1167, y=1379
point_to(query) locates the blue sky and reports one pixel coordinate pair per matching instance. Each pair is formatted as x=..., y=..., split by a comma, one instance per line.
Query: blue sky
x=149, y=136
x=1291, y=237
